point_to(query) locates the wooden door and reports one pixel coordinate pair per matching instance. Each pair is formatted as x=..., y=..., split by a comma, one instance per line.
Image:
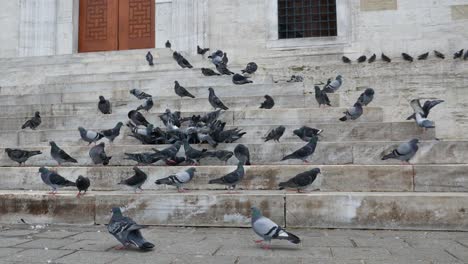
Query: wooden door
x=98, y=29
x=136, y=24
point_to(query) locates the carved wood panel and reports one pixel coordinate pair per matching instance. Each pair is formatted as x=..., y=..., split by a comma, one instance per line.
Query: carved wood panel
x=136, y=24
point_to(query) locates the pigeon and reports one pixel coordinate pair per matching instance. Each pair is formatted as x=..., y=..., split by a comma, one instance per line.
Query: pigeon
x=362, y=59
x=353, y=113
x=140, y=94
x=181, y=91
x=216, y=57
x=225, y=59
x=59, y=155
x=202, y=51
x=147, y=105
x=346, y=59
x=239, y=79
x=385, y=58
x=209, y=72
x=178, y=179
x=175, y=162
x=418, y=113
x=295, y=78
x=268, y=103
x=250, y=68
x=242, y=154
x=304, y=152
x=112, y=133
x=194, y=155
x=439, y=55
x=104, y=105
x=301, y=180
x=268, y=230
x=54, y=180
x=407, y=57
x=306, y=133
x=168, y=44
x=428, y=105
x=423, y=56
x=136, y=181
x=21, y=156
x=89, y=135
x=33, y=123
x=366, y=97
x=404, y=151
x=137, y=118
x=275, y=134
x=458, y=54
x=321, y=97
x=211, y=116
x=183, y=62
x=126, y=231
x=214, y=100
x=169, y=154
x=82, y=183
x=144, y=158
x=334, y=85
x=222, y=68
x=231, y=179
x=98, y=154
x=372, y=58
x=465, y=57
x=149, y=59
x=223, y=155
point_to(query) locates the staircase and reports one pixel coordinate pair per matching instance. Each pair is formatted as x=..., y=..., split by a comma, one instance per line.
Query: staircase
x=356, y=188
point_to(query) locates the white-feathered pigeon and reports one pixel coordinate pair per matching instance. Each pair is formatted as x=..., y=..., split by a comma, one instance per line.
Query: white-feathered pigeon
x=178, y=179
x=419, y=113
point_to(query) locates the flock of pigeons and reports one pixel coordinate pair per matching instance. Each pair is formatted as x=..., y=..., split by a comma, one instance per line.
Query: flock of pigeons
x=457, y=55
x=206, y=128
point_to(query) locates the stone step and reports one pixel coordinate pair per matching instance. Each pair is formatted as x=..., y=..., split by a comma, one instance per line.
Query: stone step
x=343, y=178
x=326, y=153
x=332, y=132
x=376, y=210
x=296, y=116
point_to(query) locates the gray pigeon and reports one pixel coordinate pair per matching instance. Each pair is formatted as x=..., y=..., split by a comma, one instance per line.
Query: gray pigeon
x=372, y=58
x=98, y=154
x=149, y=58
x=144, y=158
x=301, y=180
x=112, y=133
x=385, y=58
x=147, y=105
x=407, y=57
x=418, y=113
x=423, y=56
x=465, y=57
x=242, y=154
x=169, y=154
x=268, y=103
x=223, y=155
x=346, y=60
x=353, y=113
x=89, y=135
x=428, y=105
x=275, y=134
x=225, y=59
x=209, y=72
x=194, y=155
x=216, y=57
x=321, y=97
x=137, y=118
x=178, y=179
x=136, y=181
x=250, y=68
x=404, y=151
x=334, y=85
x=306, y=133
x=239, y=79
x=222, y=68
x=215, y=102
x=59, y=155
x=33, y=123
x=304, y=152
x=82, y=183
x=140, y=94
x=439, y=54
x=126, y=231
x=366, y=97
x=268, y=230
x=231, y=179
x=183, y=62
x=21, y=156
x=181, y=91
x=54, y=180
x=168, y=44
x=458, y=54
x=104, y=105
x=202, y=51
x=362, y=59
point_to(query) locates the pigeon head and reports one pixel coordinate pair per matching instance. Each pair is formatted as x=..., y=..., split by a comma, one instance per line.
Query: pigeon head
x=316, y=170
x=37, y=114
x=101, y=98
x=116, y=211
x=267, y=97
x=43, y=170
x=176, y=82
x=298, y=132
x=339, y=77
x=414, y=141
x=131, y=113
x=102, y=144
x=369, y=91
x=119, y=124
x=132, y=91
x=211, y=90
x=80, y=177
x=191, y=170
x=281, y=129
x=317, y=89
x=52, y=144
x=219, y=53
x=7, y=150
x=255, y=213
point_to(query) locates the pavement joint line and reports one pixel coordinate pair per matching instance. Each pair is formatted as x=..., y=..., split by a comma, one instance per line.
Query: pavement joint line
x=73, y=251
x=460, y=243
x=237, y=260
x=216, y=251
x=353, y=242
x=450, y=253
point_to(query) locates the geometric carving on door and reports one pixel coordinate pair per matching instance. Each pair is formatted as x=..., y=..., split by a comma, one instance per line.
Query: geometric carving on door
x=96, y=20
x=139, y=16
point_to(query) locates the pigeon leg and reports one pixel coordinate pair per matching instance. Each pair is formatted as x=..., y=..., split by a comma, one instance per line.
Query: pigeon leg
x=306, y=161
x=266, y=246
x=78, y=194
x=181, y=190
x=258, y=241
x=120, y=247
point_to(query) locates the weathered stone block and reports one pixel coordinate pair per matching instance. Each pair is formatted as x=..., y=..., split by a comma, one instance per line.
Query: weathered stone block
x=459, y=12
x=378, y=5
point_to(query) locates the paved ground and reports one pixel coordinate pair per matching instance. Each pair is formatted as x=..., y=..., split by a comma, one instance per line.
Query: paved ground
x=65, y=244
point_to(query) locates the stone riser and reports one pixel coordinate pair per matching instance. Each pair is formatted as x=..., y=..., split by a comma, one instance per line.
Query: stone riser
x=442, y=211
x=342, y=153
x=331, y=133
x=343, y=178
